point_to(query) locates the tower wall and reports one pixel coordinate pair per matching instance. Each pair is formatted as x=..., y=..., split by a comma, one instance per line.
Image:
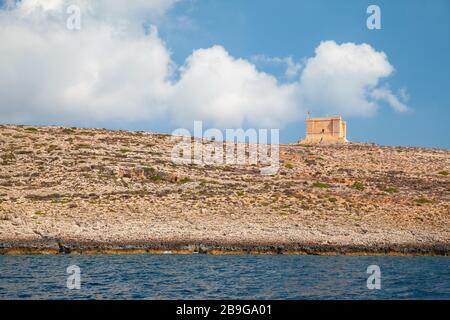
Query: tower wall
x=325, y=130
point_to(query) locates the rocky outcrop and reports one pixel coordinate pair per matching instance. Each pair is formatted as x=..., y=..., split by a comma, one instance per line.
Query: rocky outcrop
x=61, y=187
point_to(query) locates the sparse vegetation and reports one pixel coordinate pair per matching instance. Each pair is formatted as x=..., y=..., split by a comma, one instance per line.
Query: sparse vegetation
x=68, y=131
x=156, y=177
x=126, y=183
x=423, y=200
x=8, y=157
x=148, y=171
x=82, y=146
x=52, y=148
x=185, y=180
x=321, y=185
x=49, y=197
x=389, y=189
x=332, y=199
x=358, y=186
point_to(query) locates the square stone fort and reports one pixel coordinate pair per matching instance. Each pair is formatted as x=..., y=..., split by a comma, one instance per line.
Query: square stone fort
x=325, y=130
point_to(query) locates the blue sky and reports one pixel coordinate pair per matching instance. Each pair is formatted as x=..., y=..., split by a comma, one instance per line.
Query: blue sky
x=415, y=35
x=415, y=38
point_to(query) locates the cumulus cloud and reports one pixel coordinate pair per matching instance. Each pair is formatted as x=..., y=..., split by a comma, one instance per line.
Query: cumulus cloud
x=292, y=68
x=117, y=9
x=112, y=69
x=344, y=79
x=384, y=94
x=220, y=89
x=100, y=72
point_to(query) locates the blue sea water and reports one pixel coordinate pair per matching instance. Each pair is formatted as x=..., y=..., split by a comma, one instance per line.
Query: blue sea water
x=223, y=277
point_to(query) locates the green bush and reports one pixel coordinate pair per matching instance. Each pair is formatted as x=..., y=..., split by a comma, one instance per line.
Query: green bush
x=82, y=146
x=358, y=186
x=423, y=200
x=148, y=171
x=185, y=180
x=156, y=178
x=68, y=131
x=321, y=185
x=389, y=189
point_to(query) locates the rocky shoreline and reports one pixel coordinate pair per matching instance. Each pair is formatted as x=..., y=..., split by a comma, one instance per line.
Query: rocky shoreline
x=60, y=247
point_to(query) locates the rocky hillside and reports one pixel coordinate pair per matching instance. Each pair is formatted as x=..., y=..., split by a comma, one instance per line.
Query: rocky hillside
x=69, y=188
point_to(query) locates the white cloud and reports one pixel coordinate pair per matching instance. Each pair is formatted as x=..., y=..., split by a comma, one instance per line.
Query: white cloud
x=386, y=95
x=136, y=8
x=113, y=70
x=292, y=68
x=118, y=9
x=101, y=72
x=344, y=79
x=225, y=91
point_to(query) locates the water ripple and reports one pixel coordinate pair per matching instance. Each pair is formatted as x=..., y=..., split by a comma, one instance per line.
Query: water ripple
x=223, y=277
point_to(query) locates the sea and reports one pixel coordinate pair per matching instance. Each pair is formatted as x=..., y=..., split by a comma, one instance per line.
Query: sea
x=199, y=276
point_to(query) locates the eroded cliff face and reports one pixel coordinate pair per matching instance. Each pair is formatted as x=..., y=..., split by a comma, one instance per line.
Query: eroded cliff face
x=100, y=186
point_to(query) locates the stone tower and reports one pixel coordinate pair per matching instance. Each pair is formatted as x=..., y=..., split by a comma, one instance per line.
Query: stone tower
x=325, y=130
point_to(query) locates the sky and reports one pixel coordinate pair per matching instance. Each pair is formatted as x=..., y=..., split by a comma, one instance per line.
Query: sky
x=157, y=65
